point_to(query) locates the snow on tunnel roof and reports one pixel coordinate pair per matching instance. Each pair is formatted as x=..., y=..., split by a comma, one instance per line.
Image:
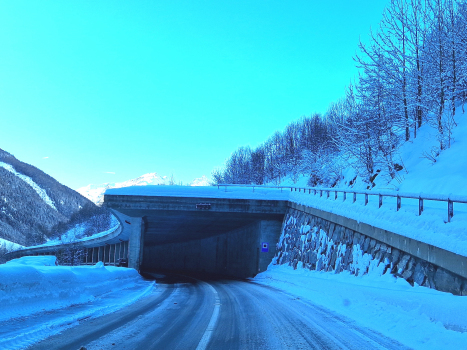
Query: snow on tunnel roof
x=233, y=192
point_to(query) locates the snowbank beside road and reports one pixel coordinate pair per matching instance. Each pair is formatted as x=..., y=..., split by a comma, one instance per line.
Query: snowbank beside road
x=32, y=287
x=418, y=317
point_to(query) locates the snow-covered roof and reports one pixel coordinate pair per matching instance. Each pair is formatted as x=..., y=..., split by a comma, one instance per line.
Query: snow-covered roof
x=231, y=192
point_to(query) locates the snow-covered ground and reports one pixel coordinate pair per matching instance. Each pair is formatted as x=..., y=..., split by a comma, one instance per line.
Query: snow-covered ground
x=39, y=299
x=418, y=317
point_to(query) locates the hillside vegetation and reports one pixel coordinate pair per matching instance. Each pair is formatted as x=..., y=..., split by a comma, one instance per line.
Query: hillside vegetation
x=412, y=74
x=35, y=207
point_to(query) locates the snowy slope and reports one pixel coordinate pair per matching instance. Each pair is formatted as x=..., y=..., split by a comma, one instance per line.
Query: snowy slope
x=448, y=175
x=41, y=192
x=8, y=245
x=420, y=175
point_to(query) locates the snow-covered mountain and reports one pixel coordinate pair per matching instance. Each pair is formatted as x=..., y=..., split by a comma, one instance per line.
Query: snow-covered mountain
x=95, y=193
x=32, y=202
x=201, y=181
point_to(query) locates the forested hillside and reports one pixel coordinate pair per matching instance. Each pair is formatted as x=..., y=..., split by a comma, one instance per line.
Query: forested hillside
x=34, y=206
x=413, y=72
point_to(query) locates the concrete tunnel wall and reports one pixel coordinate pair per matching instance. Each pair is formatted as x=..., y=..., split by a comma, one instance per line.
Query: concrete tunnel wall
x=237, y=253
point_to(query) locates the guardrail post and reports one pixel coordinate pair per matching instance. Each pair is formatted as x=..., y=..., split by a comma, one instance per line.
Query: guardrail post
x=320, y=193
x=420, y=206
x=398, y=206
x=354, y=197
x=450, y=209
x=380, y=201
x=345, y=196
x=314, y=192
x=291, y=189
x=309, y=191
x=335, y=197
x=327, y=194
x=100, y=254
x=366, y=198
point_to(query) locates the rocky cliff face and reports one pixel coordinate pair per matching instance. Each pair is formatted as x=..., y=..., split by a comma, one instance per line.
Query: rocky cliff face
x=316, y=244
x=32, y=202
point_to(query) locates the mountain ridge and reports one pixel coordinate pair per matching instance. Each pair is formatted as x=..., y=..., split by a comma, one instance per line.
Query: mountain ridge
x=32, y=202
x=95, y=193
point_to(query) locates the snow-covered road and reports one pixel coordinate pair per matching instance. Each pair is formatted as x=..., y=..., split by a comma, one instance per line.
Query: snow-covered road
x=43, y=306
x=178, y=314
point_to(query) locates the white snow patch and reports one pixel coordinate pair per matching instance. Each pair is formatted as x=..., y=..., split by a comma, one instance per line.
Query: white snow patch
x=201, y=181
x=9, y=246
x=41, y=192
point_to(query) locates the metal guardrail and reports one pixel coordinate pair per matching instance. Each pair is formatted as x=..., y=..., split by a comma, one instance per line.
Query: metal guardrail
x=421, y=197
x=94, y=249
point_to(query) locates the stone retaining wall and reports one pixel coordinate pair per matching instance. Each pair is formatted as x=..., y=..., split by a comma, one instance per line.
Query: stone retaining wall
x=308, y=241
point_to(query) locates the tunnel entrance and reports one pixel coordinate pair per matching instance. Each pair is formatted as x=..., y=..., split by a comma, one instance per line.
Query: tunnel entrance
x=240, y=253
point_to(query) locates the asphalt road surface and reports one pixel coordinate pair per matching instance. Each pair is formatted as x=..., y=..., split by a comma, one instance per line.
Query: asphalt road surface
x=188, y=313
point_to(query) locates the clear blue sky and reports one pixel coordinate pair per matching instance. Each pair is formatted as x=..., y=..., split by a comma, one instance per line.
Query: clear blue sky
x=131, y=87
